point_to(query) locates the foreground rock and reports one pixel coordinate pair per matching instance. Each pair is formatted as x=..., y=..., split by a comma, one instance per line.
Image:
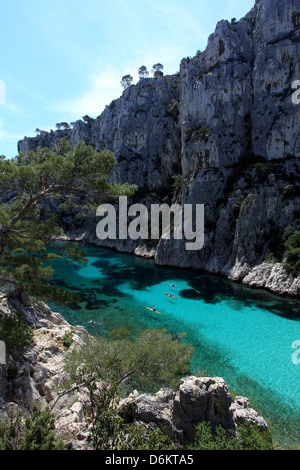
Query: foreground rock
x=198, y=399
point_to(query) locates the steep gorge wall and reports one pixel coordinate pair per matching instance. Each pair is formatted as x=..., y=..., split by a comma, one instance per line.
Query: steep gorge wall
x=240, y=89
x=233, y=99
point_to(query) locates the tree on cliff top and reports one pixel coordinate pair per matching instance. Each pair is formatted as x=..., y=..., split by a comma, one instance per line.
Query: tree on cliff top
x=157, y=70
x=74, y=175
x=62, y=125
x=143, y=72
x=126, y=81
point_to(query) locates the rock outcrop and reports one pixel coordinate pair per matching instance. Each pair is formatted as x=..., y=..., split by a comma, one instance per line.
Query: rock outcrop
x=198, y=399
x=37, y=378
x=227, y=124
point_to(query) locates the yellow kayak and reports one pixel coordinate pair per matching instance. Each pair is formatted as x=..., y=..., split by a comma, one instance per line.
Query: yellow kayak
x=153, y=310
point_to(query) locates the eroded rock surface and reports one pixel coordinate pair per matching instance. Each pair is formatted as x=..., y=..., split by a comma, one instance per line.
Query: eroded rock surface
x=198, y=399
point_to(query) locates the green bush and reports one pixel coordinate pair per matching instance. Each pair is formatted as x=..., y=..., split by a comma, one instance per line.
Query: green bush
x=197, y=133
x=260, y=171
x=291, y=239
x=271, y=258
x=119, y=333
x=179, y=185
x=110, y=432
x=36, y=432
x=173, y=110
x=245, y=437
x=292, y=262
x=16, y=334
x=153, y=360
x=67, y=339
x=10, y=432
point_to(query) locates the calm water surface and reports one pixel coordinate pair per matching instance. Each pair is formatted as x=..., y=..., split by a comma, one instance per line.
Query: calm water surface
x=240, y=334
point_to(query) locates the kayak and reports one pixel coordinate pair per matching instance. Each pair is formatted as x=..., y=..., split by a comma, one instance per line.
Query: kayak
x=172, y=285
x=169, y=295
x=153, y=310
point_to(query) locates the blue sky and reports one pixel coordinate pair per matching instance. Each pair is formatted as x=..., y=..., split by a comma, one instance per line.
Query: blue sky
x=62, y=59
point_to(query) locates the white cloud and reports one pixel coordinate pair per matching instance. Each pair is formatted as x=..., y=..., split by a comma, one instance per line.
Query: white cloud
x=104, y=87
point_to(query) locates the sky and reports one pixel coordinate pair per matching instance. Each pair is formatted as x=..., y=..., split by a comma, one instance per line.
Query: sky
x=63, y=59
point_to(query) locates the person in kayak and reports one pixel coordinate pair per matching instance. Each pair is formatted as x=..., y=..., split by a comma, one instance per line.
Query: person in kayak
x=169, y=295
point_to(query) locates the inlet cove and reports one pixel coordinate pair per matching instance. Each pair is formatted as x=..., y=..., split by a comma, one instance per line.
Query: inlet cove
x=247, y=336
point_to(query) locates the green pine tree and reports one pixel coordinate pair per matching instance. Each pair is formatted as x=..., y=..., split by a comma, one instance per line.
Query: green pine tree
x=75, y=176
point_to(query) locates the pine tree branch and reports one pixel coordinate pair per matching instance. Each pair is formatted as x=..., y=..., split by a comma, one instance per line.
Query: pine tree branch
x=65, y=392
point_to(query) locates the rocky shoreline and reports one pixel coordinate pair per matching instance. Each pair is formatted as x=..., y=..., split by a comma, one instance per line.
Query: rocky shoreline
x=39, y=375
x=269, y=276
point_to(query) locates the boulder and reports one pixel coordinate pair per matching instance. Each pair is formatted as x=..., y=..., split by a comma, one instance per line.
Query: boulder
x=242, y=413
x=198, y=399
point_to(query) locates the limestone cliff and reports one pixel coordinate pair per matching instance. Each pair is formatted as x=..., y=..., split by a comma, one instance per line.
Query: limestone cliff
x=226, y=123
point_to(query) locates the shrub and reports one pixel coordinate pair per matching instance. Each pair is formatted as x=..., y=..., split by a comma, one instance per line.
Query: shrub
x=173, y=110
x=197, y=133
x=153, y=360
x=110, y=432
x=291, y=239
x=246, y=161
x=260, y=171
x=67, y=339
x=179, y=185
x=16, y=334
x=271, y=258
x=119, y=333
x=36, y=432
x=245, y=437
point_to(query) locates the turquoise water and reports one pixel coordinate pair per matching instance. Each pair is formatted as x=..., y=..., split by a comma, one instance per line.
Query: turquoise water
x=240, y=334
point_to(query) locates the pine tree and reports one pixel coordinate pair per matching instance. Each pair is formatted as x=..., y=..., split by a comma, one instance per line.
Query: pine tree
x=75, y=176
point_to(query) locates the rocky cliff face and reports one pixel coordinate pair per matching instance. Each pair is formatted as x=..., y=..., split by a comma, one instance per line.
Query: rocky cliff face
x=227, y=124
x=37, y=378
